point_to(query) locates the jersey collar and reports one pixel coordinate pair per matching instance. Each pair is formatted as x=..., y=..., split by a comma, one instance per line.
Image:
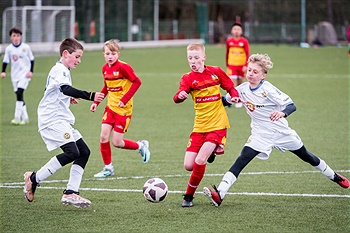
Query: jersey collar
x=256, y=88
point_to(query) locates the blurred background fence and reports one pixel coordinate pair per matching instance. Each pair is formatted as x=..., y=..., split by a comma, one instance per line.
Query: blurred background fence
x=264, y=21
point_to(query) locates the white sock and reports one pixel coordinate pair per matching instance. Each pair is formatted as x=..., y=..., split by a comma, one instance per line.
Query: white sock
x=325, y=169
x=225, y=184
x=76, y=174
x=24, y=113
x=48, y=169
x=18, y=110
x=109, y=166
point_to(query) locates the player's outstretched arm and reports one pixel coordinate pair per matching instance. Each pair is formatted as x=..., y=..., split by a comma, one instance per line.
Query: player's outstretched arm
x=76, y=93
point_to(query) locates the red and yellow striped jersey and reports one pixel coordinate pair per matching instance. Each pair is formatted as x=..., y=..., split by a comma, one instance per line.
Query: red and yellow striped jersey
x=205, y=91
x=237, y=51
x=120, y=83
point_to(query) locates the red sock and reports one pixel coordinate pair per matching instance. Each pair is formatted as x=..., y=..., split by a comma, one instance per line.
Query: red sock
x=106, y=152
x=130, y=145
x=196, y=177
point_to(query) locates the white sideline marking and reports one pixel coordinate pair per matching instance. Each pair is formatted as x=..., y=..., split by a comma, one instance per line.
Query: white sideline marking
x=19, y=185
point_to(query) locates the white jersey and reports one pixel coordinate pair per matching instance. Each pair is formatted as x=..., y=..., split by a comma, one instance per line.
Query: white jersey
x=260, y=102
x=20, y=57
x=266, y=134
x=54, y=106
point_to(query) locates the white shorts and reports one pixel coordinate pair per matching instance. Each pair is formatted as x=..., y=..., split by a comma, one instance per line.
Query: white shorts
x=22, y=83
x=59, y=134
x=265, y=142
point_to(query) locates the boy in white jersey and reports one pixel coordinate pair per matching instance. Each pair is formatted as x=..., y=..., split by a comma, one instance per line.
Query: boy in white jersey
x=21, y=58
x=268, y=107
x=55, y=122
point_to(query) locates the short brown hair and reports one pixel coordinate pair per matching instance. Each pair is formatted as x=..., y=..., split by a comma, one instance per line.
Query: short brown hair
x=15, y=30
x=71, y=45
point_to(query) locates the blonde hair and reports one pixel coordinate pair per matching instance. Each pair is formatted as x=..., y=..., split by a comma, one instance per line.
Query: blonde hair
x=196, y=46
x=112, y=45
x=263, y=60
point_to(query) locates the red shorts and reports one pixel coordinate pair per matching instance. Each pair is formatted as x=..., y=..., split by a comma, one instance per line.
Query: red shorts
x=235, y=71
x=217, y=137
x=119, y=123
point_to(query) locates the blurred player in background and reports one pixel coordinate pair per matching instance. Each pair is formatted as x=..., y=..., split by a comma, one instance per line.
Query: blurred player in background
x=21, y=58
x=211, y=121
x=55, y=121
x=121, y=84
x=268, y=108
x=237, y=53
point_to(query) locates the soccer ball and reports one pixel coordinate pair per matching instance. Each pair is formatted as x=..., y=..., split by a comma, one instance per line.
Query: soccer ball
x=155, y=190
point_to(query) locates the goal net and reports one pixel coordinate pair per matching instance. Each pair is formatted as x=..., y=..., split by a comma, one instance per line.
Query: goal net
x=40, y=25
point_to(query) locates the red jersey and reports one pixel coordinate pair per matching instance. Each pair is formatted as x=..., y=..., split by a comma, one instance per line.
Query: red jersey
x=205, y=91
x=120, y=83
x=237, y=51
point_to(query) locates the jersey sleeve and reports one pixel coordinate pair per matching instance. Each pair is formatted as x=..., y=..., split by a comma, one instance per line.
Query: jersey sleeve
x=278, y=97
x=247, y=51
x=6, y=56
x=129, y=73
x=184, y=86
x=226, y=83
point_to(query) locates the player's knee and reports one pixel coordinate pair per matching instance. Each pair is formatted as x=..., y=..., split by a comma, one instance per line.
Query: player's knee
x=71, y=151
x=188, y=167
x=19, y=94
x=104, y=138
x=118, y=143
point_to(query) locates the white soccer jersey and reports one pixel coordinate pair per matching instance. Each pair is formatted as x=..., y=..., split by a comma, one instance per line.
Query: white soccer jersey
x=260, y=103
x=20, y=57
x=54, y=106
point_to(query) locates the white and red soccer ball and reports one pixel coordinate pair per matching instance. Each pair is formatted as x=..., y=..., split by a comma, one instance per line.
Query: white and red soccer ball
x=155, y=190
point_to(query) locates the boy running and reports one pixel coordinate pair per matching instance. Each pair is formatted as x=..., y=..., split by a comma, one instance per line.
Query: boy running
x=268, y=108
x=211, y=121
x=120, y=84
x=55, y=121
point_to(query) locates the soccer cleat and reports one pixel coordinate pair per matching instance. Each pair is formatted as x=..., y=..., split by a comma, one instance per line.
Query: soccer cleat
x=341, y=180
x=14, y=122
x=75, y=200
x=144, y=151
x=187, y=202
x=105, y=173
x=213, y=195
x=29, y=186
x=23, y=122
x=211, y=158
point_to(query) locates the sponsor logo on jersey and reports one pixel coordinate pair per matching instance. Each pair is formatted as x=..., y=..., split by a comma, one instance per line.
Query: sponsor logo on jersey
x=195, y=83
x=115, y=89
x=206, y=99
x=66, y=136
x=15, y=57
x=250, y=106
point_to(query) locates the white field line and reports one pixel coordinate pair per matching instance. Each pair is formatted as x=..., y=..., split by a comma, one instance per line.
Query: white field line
x=19, y=185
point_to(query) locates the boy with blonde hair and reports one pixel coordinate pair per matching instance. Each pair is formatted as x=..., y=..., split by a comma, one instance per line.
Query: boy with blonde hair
x=268, y=108
x=120, y=84
x=211, y=121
